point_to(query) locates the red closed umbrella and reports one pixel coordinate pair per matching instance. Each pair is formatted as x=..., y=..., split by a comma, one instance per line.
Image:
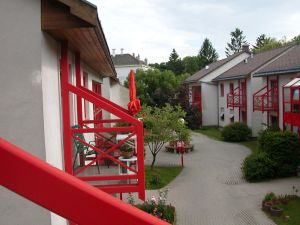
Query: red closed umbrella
x=134, y=106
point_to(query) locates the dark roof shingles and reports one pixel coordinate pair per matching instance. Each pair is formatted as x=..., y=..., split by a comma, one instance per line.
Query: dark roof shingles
x=211, y=67
x=126, y=59
x=253, y=63
x=285, y=63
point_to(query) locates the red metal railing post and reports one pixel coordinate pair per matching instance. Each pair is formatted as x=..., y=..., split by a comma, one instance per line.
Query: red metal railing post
x=140, y=156
x=64, y=64
x=64, y=194
x=78, y=84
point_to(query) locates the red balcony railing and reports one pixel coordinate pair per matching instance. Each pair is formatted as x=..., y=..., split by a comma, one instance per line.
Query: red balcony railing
x=97, y=129
x=237, y=98
x=266, y=99
x=64, y=194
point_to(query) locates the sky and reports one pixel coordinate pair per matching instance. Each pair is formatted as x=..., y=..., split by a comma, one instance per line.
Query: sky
x=152, y=28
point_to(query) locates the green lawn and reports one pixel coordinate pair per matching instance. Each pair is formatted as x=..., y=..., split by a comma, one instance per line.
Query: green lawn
x=214, y=133
x=160, y=176
x=291, y=214
x=253, y=145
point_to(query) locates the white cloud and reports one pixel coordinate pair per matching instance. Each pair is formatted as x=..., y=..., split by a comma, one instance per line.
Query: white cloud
x=152, y=28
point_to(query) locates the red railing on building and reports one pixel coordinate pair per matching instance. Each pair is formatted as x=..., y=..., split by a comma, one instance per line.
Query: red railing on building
x=266, y=99
x=291, y=105
x=62, y=193
x=237, y=98
x=134, y=180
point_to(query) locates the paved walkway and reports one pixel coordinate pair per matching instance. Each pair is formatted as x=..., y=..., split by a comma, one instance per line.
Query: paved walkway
x=211, y=191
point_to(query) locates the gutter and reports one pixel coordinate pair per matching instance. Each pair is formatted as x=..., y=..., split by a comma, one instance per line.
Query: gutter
x=230, y=78
x=277, y=71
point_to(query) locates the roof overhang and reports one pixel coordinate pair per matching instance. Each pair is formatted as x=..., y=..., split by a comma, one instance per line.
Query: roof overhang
x=277, y=71
x=76, y=21
x=230, y=78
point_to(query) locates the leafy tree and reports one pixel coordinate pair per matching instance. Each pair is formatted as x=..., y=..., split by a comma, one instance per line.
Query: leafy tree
x=207, y=53
x=296, y=39
x=261, y=41
x=236, y=42
x=160, y=66
x=155, y=87
x=191, y=64
x=166, y=126
x=270, y=43
x=175, y=64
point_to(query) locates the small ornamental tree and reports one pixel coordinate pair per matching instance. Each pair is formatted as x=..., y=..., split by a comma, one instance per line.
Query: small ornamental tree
x=165, y=122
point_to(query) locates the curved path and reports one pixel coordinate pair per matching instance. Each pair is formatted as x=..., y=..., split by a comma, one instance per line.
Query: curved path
x=211, y=191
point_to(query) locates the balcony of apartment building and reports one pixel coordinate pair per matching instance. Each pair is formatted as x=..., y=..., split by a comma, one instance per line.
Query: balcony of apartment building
x=291, y=105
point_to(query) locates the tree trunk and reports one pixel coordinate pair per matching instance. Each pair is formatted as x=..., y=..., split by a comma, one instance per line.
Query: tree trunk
x=153, y=161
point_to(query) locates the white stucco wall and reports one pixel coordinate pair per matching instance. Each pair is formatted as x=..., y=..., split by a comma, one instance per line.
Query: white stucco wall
x=123, y=71
x=223, y=104
x=209, y=96
x=21, y=111
x=51, y=109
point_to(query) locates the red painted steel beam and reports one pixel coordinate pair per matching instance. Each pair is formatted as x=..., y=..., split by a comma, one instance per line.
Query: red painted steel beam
x=103, y=121
x=104, y=99
x=102, y=129
x=64, y=66
x=118, y=188
x=64, y=194
x=110, y=177
x=78, y=84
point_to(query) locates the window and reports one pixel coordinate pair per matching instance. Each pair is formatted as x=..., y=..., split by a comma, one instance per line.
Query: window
x=222, y=89
x=222, y=113
x=231, y=88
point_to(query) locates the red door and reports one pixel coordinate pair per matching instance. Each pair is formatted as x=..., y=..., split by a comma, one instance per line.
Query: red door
x=97, y=109
x=197, y=97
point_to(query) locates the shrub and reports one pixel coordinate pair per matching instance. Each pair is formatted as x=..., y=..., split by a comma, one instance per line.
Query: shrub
x=193, y=117
x=283, y=148
x=236, y=132
x=258, y=167
x=263, y=134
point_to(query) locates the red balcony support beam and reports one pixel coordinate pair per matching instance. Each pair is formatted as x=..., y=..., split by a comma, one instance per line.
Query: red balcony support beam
x=64, y=194
x=64, y=66
x=78, y=84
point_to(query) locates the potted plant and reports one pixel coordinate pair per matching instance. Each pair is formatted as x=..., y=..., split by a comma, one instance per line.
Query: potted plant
x=148, y=125
x=267, y=202
x=276, y=211
x=126, y=151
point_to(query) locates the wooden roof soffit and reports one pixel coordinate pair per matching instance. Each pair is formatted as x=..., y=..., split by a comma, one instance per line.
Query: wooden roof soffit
x=77, y=21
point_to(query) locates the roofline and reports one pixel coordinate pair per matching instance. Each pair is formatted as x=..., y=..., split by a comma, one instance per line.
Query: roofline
x=196, y=80
x=267, y=62
x=106, y=46
x=230, y=78
x=277, y=71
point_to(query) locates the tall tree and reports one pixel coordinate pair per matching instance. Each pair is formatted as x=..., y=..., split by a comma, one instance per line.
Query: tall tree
x=207, y=53
x=236, y=42
x=155, y=87
x=191, y=64
x=261, y=40
x=175, y=64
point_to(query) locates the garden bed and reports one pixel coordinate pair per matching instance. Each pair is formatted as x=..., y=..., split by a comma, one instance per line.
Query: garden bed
x=283, y=209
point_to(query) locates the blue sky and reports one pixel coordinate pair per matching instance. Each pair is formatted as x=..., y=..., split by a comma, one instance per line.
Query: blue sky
x=152, y=28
